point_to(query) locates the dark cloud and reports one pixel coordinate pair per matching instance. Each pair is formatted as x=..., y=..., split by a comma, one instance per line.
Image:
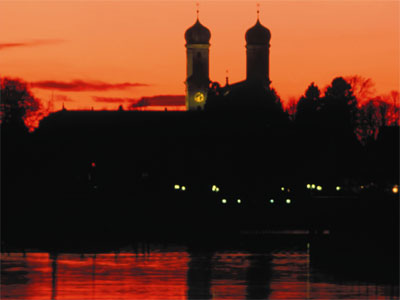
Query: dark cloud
x=160, y=100
x=62, y=98
x=80, y=85
x=112, y=99
x=29, y=44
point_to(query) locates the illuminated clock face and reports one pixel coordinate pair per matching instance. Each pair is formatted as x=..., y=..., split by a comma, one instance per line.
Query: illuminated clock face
x=199, y=97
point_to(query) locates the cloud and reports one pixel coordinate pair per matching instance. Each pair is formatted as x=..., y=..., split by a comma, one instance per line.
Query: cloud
x=112, y=99
x=30, y=43
x=80, y=85
x=62, y=98
x=160, y=100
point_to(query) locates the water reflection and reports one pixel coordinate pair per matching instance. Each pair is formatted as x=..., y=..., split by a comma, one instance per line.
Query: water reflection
x=178, y=273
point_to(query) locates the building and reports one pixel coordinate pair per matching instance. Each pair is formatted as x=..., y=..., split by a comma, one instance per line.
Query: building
x=197, y=56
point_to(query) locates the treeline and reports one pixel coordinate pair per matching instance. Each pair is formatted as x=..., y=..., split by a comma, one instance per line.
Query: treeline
x=347, y=103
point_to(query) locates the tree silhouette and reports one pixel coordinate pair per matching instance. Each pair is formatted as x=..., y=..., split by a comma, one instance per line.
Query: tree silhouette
x=369, y=122
x=363, y=88
x=309, y=105
x=377, y=113
x=339, y=109
x=394, y=114
x=17, y=103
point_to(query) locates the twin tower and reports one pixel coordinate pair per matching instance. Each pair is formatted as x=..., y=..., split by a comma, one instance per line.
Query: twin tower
x=197, y=56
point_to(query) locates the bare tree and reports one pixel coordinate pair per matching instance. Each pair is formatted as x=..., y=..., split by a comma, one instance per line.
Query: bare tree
x=363, y=88
x=375, y=114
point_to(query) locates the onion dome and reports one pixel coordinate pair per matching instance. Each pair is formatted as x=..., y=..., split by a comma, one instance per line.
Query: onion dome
x=258, y=35
x=198, y=34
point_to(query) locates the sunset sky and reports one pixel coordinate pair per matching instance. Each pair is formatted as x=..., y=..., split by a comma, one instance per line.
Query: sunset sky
x=104, y=53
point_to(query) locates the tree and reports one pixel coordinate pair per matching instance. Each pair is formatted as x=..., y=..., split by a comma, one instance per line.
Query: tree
x=339, y=105
x=369, y=121
x=363, y=88
x=394, y=98
x=17, y=103
x=309, y=105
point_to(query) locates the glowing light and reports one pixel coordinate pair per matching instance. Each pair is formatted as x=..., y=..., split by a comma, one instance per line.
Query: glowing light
x=239, y=201
x=362, y=187
x=271, y=201
x=176, y=187
x=93, y=164
x=224, y=201
x=395, y=189
x=338, y=188
x=214, y=188
x=183, y=188
x=282, y=188
x=313, y=186
x=308, y=186
x=319, y=188
x=288, y=201
x=199, y=97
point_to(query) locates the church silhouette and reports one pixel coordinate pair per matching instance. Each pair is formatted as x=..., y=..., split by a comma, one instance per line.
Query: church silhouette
x=198, y=82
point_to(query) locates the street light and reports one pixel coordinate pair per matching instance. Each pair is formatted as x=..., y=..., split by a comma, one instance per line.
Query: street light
x=395, y=189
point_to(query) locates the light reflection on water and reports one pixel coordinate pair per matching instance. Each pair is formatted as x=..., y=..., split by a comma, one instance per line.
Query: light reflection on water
x=177, y=274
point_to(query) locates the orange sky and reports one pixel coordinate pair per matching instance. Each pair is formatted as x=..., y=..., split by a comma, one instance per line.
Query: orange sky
x=110, y=46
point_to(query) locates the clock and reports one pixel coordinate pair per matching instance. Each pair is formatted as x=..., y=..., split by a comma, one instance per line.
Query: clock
x=199, y=97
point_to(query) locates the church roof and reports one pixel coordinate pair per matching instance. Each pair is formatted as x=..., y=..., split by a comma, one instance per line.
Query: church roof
x=198, y=34
x=258, y=35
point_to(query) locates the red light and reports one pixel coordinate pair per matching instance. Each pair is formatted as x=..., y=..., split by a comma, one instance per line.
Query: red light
x=93, y=164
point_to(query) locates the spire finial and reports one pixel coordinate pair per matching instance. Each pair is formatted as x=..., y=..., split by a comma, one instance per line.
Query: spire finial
x=258, y=11
x=227, y=77
x=197, y=10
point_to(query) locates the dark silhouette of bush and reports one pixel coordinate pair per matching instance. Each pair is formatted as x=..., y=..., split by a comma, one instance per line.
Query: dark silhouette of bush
x=17, y=103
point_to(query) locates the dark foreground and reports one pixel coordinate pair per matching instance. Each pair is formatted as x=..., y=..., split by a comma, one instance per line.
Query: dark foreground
x=171, y=246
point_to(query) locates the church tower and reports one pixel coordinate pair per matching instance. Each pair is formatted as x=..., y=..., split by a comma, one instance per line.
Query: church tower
x=197, y=72
x=257, y=52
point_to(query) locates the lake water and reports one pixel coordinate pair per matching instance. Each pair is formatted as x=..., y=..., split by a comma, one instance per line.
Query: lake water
x=177, y=272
